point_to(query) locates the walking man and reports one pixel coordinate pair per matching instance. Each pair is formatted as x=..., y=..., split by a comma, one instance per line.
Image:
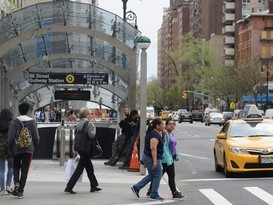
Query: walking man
x=22, y=156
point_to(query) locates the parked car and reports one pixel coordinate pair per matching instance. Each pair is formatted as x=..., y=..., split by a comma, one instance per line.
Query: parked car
x=244, y=145
x=197, y=115
x=214, y=118
x=185, y=116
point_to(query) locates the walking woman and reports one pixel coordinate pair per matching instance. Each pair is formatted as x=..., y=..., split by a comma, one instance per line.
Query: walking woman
x=86, y=132
x=5, y=119
x=153, y=150
x=168, y=158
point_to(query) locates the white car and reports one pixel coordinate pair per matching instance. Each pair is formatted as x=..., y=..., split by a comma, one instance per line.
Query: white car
x=174, y=116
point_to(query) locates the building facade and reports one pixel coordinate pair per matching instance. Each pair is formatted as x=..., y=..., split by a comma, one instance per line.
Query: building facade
x=201, y=17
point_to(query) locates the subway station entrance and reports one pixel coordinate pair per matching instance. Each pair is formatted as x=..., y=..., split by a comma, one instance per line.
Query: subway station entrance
x=68, y=49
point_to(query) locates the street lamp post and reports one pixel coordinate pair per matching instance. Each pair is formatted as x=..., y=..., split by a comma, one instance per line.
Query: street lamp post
x=124, y=8
x=143, y=43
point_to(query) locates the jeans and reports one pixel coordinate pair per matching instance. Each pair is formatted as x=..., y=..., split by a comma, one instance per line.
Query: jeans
x=9, y=173
x=154, y=176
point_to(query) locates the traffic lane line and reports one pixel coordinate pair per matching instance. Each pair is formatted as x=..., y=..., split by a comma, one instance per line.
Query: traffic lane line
x=226, y=179
x=193, y=156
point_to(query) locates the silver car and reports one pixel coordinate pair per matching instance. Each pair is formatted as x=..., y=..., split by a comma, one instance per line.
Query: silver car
x=214, y=118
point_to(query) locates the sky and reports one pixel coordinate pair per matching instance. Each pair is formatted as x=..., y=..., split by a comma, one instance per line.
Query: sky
x=149, y=18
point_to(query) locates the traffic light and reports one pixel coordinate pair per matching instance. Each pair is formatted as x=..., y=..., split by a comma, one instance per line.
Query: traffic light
x=184, y=95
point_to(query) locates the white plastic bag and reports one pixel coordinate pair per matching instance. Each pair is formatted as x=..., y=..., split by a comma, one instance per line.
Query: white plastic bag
x=70, y=168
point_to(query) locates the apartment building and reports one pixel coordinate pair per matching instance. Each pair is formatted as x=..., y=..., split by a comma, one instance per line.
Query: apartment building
x=255, y=37
x=183, y=16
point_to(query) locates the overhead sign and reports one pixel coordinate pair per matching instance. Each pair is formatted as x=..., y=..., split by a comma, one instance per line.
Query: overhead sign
x=68, y=78
x=72, y=95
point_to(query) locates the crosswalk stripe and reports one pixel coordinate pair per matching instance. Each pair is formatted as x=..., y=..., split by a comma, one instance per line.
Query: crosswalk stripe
x=214, y=197
x=263, y=195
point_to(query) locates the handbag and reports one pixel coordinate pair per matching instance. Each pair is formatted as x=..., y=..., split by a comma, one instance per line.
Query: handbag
x=96, y=150
x=70, y=169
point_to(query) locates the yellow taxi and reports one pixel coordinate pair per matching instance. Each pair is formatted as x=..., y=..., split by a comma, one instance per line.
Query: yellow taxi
x=165, y=115
x=245, y=144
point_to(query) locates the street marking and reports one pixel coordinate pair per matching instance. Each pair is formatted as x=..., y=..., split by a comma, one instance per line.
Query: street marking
x=193, y=156
x=151, y=202
x=225, y=179
x=263, y=195
x=214, y=197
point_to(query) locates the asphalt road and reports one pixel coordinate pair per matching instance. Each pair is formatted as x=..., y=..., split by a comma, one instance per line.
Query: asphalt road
x=195, y=175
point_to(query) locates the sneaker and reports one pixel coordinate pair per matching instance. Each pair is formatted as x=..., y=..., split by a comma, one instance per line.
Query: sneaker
x=148, y=193
x=15, y=191
x=9, y=189
x=156, y=198
x=114, y=162
x=178, y=195
x=108, y=162
x=123, y=167
x=135, y=192
x=20, y=195
x=2, y=193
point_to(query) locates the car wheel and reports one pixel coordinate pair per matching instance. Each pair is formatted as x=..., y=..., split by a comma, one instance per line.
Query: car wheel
x=179, y=121
x=227, y=173
x=191, y=122
x=217, y=167
x=208, y=124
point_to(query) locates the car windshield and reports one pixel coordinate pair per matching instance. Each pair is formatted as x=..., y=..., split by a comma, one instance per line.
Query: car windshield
x=248, y=129
x=215, y=114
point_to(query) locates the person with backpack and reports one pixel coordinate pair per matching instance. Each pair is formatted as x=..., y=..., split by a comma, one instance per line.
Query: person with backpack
x=5, y=119
x=23, y=137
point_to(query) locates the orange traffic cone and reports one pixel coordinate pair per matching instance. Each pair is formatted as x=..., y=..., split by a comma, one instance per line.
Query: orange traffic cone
x=134, y=163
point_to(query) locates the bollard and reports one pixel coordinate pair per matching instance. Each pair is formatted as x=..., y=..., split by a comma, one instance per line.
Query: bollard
x=62, y=144
x=62, y=148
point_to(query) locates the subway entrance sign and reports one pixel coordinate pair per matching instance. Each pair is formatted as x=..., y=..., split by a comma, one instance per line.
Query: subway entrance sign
x=68, y=78
x=72, y=95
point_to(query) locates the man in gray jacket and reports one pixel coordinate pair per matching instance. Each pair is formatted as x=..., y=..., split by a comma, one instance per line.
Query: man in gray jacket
x=22, y=156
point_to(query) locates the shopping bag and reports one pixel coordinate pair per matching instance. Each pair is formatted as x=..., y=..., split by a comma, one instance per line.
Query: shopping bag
x=70, y=168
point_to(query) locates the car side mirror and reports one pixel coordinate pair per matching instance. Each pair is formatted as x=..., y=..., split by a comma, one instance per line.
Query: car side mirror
x=221, y=136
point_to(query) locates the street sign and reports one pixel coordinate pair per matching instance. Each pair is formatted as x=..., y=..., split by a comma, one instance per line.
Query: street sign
x=68, y=78
x=72, y=95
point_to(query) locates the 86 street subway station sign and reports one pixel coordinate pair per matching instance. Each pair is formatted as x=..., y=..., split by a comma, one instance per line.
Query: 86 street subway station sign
x=68, y=78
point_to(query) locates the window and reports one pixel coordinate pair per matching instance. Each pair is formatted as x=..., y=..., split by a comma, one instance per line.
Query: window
x=246, y=1
x=260, y=1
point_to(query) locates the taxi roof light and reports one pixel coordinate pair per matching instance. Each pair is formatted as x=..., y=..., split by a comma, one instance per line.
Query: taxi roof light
x=250, y=112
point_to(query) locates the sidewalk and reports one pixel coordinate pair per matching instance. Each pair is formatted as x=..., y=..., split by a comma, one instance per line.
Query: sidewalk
x=45, y=186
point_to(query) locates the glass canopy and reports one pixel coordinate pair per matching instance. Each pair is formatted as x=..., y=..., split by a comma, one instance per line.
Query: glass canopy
x=68, y=37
